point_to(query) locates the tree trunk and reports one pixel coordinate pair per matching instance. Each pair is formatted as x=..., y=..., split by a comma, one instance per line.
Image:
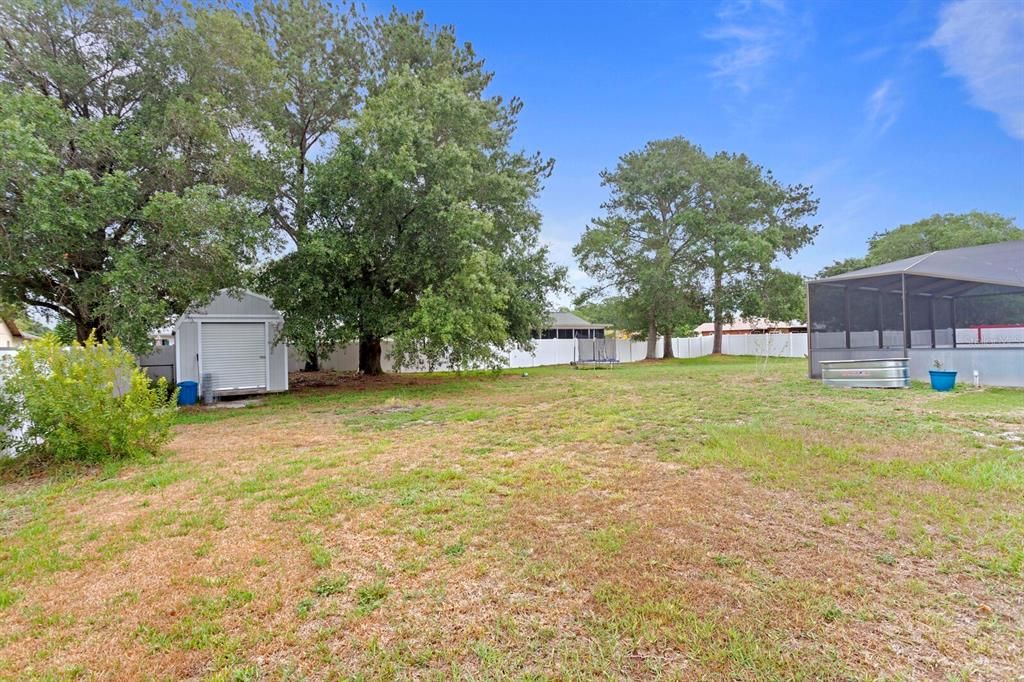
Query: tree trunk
x=84, y=328
x=652, y=338
x=716, y=310
x=668, y=345
x=312, y=362
x=369, y=355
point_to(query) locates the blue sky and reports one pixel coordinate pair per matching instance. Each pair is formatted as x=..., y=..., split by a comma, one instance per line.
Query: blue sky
x=893, y=111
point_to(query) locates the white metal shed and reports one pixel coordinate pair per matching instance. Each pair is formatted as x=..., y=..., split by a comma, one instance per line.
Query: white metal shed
x=233, y=344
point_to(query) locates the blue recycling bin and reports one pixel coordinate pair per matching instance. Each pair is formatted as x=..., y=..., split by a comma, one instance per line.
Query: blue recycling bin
x=188, y=392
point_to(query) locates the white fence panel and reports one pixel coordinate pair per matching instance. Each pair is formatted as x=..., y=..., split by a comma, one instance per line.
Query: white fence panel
x=798, y=345
x=689, y=347
x=893, y=338
x=831, y=339
x=4, y=354
x=346, y=358
x=771, y=345
x=919, y=337
x=624, y=350
x=545, y=352
x=564, y=351
x=634, y=351
x=991, y=335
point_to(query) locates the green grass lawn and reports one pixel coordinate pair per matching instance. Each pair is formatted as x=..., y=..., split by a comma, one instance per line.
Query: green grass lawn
x=711, y=518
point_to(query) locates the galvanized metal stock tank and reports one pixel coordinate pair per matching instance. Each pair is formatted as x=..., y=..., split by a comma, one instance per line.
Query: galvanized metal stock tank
x=876, y=373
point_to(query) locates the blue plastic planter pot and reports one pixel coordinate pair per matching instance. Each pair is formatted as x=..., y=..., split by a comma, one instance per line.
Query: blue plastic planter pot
x=188, y=392
x=942, y=380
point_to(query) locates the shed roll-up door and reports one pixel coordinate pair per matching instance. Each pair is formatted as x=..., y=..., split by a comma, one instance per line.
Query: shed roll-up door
x=235, y=354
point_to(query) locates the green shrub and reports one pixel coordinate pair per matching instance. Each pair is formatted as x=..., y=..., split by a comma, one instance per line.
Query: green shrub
x=81, y=402
x=65, y=332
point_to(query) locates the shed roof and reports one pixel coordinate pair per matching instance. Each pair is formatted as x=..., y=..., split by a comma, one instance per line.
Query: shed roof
x=566, y=320
x=232, y=303
x=1001, y=264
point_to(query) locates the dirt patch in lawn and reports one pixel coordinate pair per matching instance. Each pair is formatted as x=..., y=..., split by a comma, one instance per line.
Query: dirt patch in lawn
x=706, y=546
x=326, y=380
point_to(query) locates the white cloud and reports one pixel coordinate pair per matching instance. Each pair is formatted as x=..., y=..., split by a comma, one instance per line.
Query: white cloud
x=883, y=106
x=982, y=42
x=754, y=33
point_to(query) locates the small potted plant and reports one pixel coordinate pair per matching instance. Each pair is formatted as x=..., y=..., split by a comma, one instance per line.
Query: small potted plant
x=942, y=380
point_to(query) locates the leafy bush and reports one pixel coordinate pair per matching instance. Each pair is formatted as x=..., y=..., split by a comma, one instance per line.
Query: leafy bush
x=81, y=402
x=65, y=332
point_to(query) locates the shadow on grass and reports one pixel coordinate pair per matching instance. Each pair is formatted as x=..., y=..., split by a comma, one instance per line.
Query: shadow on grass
x=44, y=467
x=368, y=390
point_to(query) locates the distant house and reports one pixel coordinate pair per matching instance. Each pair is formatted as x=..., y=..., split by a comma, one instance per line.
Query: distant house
x=756, y=325
x=563, y=325
x=10, y=335
x=163, y=337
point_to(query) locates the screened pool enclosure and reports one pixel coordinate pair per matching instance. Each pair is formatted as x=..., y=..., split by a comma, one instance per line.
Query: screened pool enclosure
x=962, y=309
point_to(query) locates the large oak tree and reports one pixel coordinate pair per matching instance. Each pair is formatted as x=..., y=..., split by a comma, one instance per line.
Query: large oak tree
x=123, y=184
x=643, y=248
x=428, y=219
x=748, y=220
x=682, y=229
x=318, y=65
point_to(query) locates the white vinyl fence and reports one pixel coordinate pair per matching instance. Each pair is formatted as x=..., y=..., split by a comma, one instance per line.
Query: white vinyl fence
x=4, y=353
x=565, y=351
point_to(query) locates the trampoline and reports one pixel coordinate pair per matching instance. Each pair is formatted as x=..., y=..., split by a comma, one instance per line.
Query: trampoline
x=595, y=354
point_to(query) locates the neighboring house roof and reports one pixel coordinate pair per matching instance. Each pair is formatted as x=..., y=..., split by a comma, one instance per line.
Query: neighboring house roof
x=564, y=320
x=743, y=325
x=1001, y=263
x=12, y=327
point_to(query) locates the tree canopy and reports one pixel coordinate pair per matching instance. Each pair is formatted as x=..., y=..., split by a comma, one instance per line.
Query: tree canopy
x=427, y=219
x=123, y=186
x=751, y=220
x=935, y=233
x=775, y=295
x=627, y=317
x=685, y=231
x=303, y=78
x=643, y=248
x=322, y=63
x=153, y=155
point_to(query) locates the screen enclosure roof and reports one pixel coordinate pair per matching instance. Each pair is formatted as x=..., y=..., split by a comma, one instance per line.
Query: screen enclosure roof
x=1000, y=264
